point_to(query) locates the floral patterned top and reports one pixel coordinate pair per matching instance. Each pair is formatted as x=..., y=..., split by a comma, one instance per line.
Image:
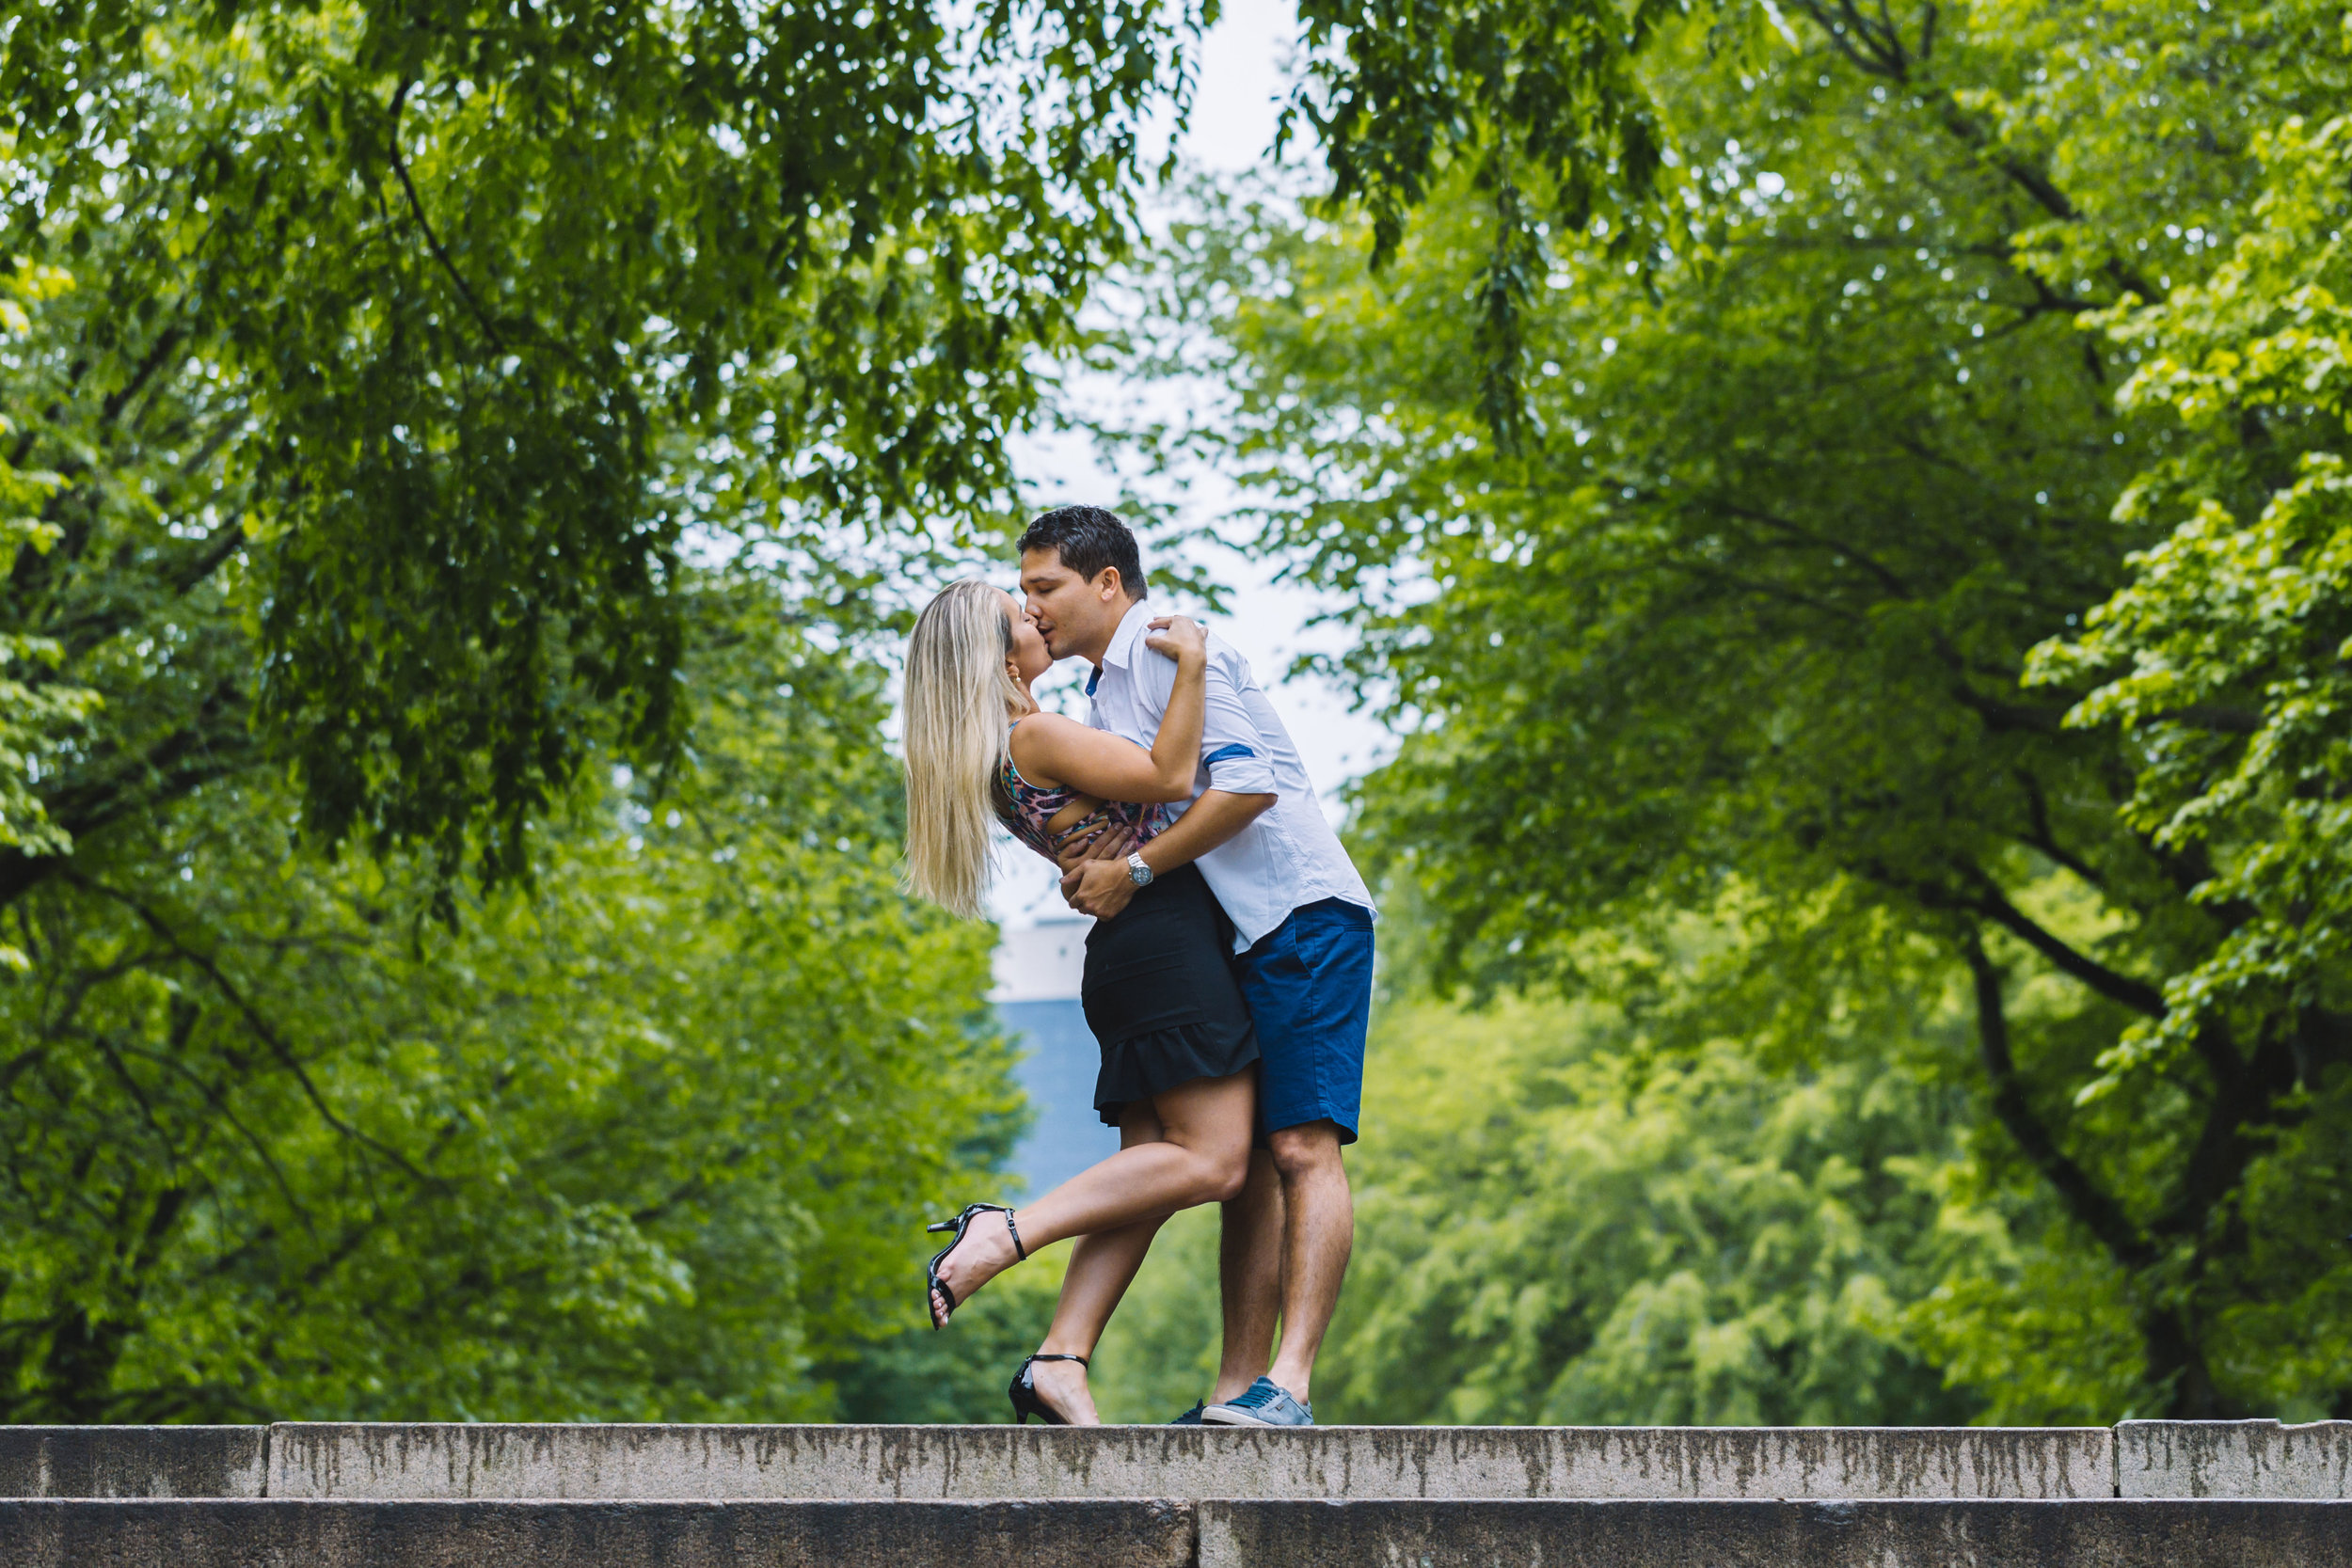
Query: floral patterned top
x=1025, y=809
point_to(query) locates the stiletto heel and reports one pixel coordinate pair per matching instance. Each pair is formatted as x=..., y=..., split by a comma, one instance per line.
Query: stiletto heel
x=961, y=1224
x=1025, y=1403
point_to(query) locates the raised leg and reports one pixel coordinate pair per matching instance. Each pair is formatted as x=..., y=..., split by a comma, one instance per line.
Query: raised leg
x=1202, y=1155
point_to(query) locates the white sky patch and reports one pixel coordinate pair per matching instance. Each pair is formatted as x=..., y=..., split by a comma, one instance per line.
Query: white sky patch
x=1238, y=101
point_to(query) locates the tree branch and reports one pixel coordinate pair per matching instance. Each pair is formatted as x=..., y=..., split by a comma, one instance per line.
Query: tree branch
x=119, y=399
x=2099, y=1214
x=2038, y=185
x=261, y=1028
x=187, y=759
x=80, y=636
x=1885, y=575
x=2115, y=986
x=2043, y=838
x=415, y=206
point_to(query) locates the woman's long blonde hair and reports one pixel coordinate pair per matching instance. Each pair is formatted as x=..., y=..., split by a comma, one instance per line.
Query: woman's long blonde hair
x=958, y=701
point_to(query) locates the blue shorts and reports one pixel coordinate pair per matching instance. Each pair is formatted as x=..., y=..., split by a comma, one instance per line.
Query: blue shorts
x=1309, y=986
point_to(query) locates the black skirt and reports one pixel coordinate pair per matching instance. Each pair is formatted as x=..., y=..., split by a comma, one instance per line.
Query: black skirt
x=1159, y=993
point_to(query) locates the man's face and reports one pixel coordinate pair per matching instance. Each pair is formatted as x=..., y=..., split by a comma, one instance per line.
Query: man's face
x=1077, y=614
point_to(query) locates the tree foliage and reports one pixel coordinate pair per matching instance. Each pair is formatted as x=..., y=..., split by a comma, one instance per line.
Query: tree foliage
x=2227, y=645
x=34, y=714
x=1808, y=476
x=643, y=1144
x=413, y=416
x=1623, y=1211
x=437, y=340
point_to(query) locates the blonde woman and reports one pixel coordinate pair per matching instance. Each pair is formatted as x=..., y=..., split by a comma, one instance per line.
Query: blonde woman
x=1179, y=1055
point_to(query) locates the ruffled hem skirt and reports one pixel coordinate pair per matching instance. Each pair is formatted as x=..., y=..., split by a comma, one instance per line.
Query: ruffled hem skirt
x=1159, y=995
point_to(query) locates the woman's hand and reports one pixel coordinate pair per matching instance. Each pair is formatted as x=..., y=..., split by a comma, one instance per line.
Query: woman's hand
x=1096, y=835
x=1179, y=637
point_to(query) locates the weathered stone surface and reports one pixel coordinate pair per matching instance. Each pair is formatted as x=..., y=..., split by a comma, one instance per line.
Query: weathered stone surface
x=1255, y=1533
x=2234, y=1459
x=277, y=1533
x=131, y=1462
x=1729, y=1534
x=722, y=1461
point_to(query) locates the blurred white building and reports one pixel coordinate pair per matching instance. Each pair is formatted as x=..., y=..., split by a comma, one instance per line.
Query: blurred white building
x=1037, y=968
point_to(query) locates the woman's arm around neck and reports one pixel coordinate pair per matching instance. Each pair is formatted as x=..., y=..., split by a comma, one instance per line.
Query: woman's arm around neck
x=1057, y=753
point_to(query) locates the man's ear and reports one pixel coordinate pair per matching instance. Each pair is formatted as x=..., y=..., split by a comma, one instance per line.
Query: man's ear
x=1106, y=583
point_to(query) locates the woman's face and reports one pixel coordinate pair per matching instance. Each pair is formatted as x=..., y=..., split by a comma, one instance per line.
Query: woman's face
x=1028, y=655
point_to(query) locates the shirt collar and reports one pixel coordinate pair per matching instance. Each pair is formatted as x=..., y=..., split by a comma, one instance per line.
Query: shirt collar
x=1131, y=629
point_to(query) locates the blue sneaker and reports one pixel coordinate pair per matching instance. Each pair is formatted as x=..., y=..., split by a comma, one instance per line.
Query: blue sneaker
x=1263, y=1404
x=1191, y=1418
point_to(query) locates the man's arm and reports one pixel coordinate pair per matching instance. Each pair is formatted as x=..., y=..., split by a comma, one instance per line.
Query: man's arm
x=1102, y=887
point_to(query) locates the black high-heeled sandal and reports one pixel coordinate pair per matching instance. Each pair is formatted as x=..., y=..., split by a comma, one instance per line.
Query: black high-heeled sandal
x=961, y=1224
x=1025, y=1403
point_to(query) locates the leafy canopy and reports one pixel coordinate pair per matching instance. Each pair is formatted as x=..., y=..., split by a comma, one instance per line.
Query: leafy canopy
x=1817, y=448
x=450, y=335
x=643, y=1144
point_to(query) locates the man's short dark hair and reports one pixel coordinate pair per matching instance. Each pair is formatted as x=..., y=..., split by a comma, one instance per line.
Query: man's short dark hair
x=1087, y=539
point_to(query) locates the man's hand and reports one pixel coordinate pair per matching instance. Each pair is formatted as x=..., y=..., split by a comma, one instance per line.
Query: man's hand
x=1099, y=887
x=1093, y=837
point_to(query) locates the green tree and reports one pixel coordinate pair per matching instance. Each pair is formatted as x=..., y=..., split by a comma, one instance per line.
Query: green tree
x=1618, y=1210
x=2227, y=653
x=647, y=1142
x=446, y=410
x=1815, y=450
x=431, y=344
x=35, y=716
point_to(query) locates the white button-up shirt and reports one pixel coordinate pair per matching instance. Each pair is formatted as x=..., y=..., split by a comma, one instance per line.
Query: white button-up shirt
x=1289, y=857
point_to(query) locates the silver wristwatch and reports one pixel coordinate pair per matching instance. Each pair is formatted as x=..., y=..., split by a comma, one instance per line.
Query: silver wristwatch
x=1137, y=872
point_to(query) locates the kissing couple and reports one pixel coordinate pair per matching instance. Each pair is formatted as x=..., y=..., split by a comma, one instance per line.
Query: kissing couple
x=1228, y=974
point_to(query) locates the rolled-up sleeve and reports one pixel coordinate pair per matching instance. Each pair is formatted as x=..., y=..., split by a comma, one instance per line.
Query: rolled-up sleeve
x=1231, y=747
x=1237, y=757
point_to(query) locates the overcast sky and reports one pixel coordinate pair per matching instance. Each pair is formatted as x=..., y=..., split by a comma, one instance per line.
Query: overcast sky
x=1231, y=130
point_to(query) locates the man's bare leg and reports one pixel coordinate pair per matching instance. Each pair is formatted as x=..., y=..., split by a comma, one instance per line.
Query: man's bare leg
x=1249, y=1273
x=1319, y=1231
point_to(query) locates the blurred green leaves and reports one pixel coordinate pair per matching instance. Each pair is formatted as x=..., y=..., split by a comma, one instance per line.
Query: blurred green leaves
x=1935, y=319
x=448, y=829
x=479, y=322
x=647, y=1142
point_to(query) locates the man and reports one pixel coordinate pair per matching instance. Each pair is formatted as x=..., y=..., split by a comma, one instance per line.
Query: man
x=1302, y=921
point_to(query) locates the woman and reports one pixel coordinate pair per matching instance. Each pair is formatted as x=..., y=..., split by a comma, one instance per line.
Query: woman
x=1178, y=1076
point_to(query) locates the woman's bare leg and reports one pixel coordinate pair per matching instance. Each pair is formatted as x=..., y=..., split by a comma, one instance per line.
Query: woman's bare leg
x=1200, y=1156
x=1102, y=1266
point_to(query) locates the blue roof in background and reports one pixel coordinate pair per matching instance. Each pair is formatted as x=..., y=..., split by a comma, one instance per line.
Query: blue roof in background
x=1057, y=1073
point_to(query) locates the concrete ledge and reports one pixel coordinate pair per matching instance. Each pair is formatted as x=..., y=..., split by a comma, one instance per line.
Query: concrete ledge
x=1631, y=1534
x=880, y=1462
x=2139, y=1459
x=1258, y=1533
x=131, y=1462
x=2234, y=1459
x=281, y=1534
